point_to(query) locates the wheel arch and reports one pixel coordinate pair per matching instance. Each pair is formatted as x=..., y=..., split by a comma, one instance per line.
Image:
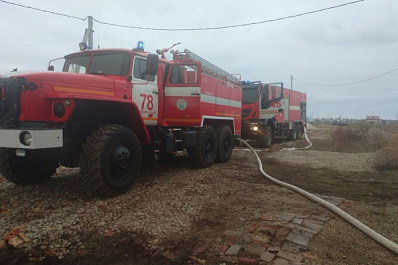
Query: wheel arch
x=270, y=123
x=216, y=121
x=139, y=127
x=91, y=114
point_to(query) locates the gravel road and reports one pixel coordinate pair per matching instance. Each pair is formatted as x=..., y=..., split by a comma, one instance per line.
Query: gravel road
x=174, y=209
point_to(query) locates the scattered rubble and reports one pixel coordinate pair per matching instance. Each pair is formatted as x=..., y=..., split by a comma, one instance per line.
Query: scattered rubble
x=16, y=238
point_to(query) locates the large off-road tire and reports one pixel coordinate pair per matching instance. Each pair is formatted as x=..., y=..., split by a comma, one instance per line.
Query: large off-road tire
x=110, y=160
x=204, y=153
x=292, y=134
x=299, y=132
x=35, y=167
x=225, y=143
x=267, y=138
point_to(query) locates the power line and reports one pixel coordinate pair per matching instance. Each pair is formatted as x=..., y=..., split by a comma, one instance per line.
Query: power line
x=43, y=10
x=232, y=26
x=189, y=29
x=347, y=84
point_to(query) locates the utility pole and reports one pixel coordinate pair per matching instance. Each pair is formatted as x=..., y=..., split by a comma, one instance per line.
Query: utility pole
x=88, y=33
x=291, y=82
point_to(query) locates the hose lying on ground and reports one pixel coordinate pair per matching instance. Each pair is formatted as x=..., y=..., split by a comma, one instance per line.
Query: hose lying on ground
x=365, y=229
x=295, y=148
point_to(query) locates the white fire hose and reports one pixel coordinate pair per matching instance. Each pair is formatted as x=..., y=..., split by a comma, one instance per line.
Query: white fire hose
x=294, y=148
x=365, y=229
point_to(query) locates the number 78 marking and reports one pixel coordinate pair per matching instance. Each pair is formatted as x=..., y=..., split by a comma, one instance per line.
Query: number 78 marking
x=149, y=101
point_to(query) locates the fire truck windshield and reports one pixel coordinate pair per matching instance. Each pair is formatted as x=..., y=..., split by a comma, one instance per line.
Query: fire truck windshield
x=110, y=64
x=77, y=64
x=101, y=63
x=249, y=95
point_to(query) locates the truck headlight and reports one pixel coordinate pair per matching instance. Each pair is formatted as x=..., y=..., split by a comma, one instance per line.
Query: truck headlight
x=59, y=110
x=25, y=138
x=255, y=128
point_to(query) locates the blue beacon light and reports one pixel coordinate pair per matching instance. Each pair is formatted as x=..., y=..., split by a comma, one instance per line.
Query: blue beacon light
x=140, y=46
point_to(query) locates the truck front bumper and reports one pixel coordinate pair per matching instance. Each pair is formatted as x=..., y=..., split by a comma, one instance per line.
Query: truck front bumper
x=251, y=130
x=31, y=138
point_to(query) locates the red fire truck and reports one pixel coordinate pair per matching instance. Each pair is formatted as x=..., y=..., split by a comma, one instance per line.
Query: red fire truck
x=109, y=109
x=270, y=111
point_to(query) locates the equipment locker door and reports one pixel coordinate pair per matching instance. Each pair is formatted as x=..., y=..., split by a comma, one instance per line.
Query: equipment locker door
x=182, y=95
x=286, y=108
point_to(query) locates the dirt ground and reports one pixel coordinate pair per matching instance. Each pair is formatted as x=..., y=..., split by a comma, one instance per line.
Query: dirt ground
x=178, y=215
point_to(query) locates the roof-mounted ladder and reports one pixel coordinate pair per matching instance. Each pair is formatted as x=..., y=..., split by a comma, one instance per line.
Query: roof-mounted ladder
x=209, y=67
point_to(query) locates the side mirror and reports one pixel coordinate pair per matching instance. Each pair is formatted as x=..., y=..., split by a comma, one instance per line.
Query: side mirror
x=50, y=68
x=152, y=65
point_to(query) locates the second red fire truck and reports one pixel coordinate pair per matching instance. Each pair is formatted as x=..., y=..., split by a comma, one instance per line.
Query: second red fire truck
x=270, y=111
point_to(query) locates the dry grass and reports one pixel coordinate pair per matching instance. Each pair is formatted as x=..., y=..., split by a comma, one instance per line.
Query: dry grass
x=387, y=156
x=353, y=139
x=363, y=138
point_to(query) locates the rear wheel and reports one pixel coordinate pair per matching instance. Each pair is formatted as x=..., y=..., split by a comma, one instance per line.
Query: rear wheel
x=110, y=160
x=292, y=135
x=225, y=143
x=35, y=167
x=204, y=153
x=266, y=138
x=299, y=132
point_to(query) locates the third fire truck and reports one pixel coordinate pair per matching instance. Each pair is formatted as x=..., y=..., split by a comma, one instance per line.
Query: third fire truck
x=270, y=111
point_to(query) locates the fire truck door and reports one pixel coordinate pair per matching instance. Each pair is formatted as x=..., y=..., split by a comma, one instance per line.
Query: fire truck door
x=271, y=100
x=145, y=91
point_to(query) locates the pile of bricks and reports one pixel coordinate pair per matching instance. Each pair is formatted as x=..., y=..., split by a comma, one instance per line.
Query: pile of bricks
x=277, y=239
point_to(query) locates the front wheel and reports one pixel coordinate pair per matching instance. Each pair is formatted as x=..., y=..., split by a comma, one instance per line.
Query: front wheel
x=110, y=160
x=35, y=167
x=267, y=138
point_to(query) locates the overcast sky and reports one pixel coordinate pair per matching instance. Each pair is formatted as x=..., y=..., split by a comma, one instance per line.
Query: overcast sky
x=338, y=46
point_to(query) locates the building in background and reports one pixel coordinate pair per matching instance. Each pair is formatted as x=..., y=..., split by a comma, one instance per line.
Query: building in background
x=373, y=119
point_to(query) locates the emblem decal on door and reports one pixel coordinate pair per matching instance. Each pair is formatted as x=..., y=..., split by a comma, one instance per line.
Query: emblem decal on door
x=181, y=104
